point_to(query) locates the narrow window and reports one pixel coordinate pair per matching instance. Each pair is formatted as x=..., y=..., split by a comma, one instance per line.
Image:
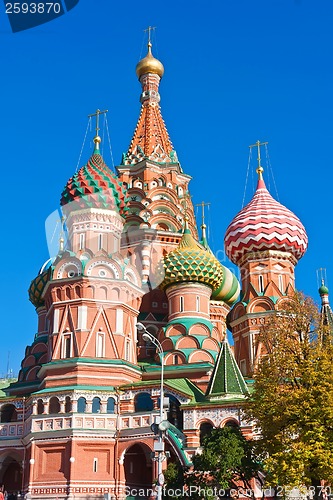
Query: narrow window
x=100, y=242
x=95, y=465
x=181, y=304
x=198, y=304
x=127, y=350
x=176, y=359
x=82, y=241
x=81, y=405
x=66, y=346
x=100, y=345
x=281, y=282
x=110, y=406
x=261, y=284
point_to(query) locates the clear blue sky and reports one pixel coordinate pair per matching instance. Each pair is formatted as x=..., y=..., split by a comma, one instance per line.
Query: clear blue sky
x=235, y=71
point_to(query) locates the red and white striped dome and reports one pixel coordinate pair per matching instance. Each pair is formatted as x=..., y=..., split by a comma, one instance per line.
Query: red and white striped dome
x=265, y=224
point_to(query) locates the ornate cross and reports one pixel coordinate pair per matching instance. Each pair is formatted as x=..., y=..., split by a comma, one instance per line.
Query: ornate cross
x=98, y=112
x=258, y=144
x=149, y=30
x=203, y=205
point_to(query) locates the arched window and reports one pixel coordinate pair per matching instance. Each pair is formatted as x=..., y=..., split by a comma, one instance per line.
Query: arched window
x=66, y=345
x=8, y=413
x=127, y=350
x=54, y=405
x=100, y=242
x=231, y=423
x=100, y=344
x=261, y=283
x=96, y=405
x=198, y=303
x=40, y=407
x=110, y=406
x=181, y=304
x=205, y=429
x=81, y=405
x=82, y=241
x=68, y=404
x=175, y=414
x=280, y=283
x=143, y=402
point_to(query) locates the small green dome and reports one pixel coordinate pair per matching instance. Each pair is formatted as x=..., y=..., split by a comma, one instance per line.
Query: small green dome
x=192, y=262
x=323, y=290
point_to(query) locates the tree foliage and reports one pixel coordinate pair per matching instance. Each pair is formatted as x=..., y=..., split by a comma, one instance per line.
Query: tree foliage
x=227, y=462
x=292, y=401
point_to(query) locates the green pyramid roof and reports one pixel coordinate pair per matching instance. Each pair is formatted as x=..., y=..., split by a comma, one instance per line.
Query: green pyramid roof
x=226, y=380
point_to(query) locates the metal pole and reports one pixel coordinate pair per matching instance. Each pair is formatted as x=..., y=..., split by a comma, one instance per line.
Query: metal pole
x=160, y=456
x=160, y=453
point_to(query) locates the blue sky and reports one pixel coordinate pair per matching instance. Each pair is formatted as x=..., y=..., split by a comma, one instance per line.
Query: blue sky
x=235, y=71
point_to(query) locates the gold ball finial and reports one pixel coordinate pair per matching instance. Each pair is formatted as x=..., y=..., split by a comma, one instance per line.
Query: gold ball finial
x=260, y=171
x=149, y=64
x=97, y=139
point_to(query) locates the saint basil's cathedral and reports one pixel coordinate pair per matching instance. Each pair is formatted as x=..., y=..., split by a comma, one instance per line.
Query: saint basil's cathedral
x=78, y=422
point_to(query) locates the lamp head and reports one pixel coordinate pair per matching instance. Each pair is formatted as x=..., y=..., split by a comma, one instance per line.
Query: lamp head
x=140, y=327
x=146, y=337
x=164, y=425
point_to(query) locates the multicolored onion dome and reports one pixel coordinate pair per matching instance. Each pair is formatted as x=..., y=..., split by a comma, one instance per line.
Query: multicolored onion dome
x=191, y=262
x=265, y=224
x=229, y=289
x=94, y=186
x=37, y=286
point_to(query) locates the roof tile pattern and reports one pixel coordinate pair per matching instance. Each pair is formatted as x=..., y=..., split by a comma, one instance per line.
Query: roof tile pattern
x=95, y=186
x=226, y=378
x=265, y=224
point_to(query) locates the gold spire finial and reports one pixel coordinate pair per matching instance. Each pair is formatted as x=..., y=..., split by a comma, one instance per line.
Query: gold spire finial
x=97, y=139
x=203, y=225
x=149, y=64
x=259, y=169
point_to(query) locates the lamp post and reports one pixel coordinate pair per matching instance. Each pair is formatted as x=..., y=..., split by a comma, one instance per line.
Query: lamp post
x=163, y=425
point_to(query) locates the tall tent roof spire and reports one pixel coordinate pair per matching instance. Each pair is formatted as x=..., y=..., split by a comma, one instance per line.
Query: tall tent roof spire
x=150, y=140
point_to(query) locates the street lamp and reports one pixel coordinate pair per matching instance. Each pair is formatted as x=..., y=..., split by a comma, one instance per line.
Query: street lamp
x=163, y=424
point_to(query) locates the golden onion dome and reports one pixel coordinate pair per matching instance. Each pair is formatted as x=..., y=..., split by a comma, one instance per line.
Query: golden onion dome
x=149, y=64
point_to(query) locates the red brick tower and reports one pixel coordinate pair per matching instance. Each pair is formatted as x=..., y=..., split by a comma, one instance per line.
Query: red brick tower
x=265, y=240
x=158, y=193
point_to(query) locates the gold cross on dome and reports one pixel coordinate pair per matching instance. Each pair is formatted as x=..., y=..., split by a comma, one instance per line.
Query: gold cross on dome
x=203, y=205
x=258, y=144
x=98, y=112
x=149, y=30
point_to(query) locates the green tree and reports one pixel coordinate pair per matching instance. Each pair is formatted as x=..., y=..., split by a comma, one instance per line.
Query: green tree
x=227, y=462
x=174, y=481
x=292, y=401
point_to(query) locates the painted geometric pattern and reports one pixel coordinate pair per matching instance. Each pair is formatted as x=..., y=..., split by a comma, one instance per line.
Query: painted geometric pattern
x=151, y=139
x=226, y=377
x=191, y=262
x=95, y=186
x=265, y=224
x=37, y=286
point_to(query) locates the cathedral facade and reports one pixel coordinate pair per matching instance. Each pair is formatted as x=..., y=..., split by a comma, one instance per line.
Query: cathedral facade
x=80, y=421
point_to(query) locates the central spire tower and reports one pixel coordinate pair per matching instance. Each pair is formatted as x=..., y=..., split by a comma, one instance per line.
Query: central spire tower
x=157, y=190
